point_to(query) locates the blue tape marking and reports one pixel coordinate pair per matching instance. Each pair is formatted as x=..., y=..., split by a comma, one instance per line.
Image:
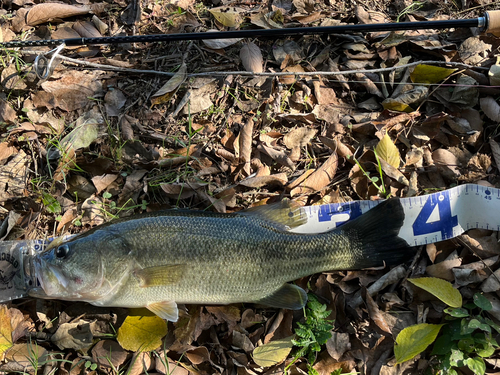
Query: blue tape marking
x=446, y=221
x=327, y=212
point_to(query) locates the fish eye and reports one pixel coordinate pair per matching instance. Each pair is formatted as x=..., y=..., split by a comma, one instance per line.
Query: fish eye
x=62, y=251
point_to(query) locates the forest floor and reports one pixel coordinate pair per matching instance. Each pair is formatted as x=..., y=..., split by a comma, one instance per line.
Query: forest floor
x=117, y=130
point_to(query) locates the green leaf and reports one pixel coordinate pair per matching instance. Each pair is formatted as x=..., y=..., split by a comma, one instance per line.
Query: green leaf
x=441, y=289
x=414, y=340
x=443, y=345
x=394, y=105
x=482, y=302
x=51, y=203
x=388, y=151
x=476, y=365
x=273, y=352
x=492, y=324
x=430, y=74
x=459, y=312
x=141, y=333
x=456, y=358
x=486, y=351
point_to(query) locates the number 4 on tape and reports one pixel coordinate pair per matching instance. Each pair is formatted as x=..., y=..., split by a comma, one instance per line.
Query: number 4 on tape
x=426, y=223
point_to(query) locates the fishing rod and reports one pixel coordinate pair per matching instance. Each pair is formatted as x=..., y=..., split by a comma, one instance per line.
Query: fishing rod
x=489, y=23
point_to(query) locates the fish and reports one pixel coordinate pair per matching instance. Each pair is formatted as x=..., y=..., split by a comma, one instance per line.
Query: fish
x=162, y=259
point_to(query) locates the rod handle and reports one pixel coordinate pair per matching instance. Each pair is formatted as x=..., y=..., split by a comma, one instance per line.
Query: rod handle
x=493, y=19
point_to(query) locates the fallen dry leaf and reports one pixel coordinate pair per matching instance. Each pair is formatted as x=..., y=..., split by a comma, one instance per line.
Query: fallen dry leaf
x=319, y=179
x=52, y=12
x=251, y=58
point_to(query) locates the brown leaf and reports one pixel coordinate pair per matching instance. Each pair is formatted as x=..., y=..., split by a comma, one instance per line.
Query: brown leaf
x=20, y=357
x=198, y=355
x=279, y=156
x=279, y=179
x=369, y=85
x=319, y=179
x=447, y=163
x=251, y=58
x=7, y=113
x=68, y=217
x=6, y=152
x=13, y=177
x=245, y=143
x=74, y=89
x=114, y=101
x=165, y=93
x=299, y=137
x=50, y=12
x=338, y=344
x=140, y=363
x=291, y=79
x=490, y=108
x=443, y=269
x=102, y=182
x=86, y=29
x=109, y=354
x=375, y=313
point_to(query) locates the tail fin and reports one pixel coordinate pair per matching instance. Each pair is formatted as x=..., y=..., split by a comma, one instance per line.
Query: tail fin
x=376, y=235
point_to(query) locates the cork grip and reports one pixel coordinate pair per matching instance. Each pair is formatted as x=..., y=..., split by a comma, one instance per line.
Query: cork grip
x=493, y=17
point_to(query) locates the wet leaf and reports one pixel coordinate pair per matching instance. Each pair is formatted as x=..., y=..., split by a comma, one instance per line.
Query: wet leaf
x=5, y=329
x=251, y=58
x=228, y=16
x=49, y=12
x=141, y=333
x=165, y=93
x=414, y=340
x=441, y=289
x=430, y=74
x=387, y=151
x=273, y=352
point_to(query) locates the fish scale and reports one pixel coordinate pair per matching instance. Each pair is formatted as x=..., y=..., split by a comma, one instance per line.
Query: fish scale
x=161, y=259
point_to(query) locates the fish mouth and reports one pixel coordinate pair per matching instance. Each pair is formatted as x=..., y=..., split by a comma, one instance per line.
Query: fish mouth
x=51, y=279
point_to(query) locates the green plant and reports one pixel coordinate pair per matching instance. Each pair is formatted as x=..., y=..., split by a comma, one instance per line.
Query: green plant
x=313, y=333
x=375, y=180
x=90, y=366
x=413, y=6
x=464, y=338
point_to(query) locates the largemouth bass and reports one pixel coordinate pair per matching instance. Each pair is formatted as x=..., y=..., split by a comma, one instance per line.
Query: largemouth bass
x=161, y=259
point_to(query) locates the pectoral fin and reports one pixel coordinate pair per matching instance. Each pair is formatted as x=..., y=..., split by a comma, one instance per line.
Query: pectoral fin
x=166, y=310
x=289, y=296
x=159, y=275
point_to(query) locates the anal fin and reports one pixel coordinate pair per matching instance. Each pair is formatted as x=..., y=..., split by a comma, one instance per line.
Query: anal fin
x=289, y=297
x=166, y=310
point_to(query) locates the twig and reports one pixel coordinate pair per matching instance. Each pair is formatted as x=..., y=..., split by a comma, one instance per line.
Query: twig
x=266, y=74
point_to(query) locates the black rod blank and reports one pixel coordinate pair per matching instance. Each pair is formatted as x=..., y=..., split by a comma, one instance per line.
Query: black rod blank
x=265, y=33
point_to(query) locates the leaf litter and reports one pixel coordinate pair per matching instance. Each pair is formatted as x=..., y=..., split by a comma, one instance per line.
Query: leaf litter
x=88, y=145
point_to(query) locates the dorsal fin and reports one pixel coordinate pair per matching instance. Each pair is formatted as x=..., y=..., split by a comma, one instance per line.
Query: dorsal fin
x=286, y=213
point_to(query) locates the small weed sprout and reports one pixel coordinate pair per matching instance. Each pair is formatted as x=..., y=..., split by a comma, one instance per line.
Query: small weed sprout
x=313, y=333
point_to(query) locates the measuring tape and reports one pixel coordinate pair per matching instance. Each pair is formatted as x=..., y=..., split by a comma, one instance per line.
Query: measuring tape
x=428, y=219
